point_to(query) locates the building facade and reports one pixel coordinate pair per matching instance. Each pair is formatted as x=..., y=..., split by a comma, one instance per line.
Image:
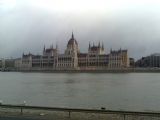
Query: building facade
x=73, y=59
x=150, y=61
x=118, y=59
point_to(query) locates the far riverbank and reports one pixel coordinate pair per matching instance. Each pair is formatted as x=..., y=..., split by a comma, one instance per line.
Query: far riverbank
x=124, y=70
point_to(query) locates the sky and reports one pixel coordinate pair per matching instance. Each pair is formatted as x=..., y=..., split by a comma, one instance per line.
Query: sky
x=27, y=25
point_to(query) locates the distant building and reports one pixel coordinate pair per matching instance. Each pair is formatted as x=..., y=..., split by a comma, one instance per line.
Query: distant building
x=2, y=63
x=96, y=50
x=132, y=62
x=7, y=64
x=27, y=62
x=73, y=59
x=94, y=59
x=18, y=63
x=118, y=59
x=149, y=61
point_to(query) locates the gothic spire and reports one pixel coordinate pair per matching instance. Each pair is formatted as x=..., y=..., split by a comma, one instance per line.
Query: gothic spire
x=56, y=46
x=99, y=45
x=89, y=45
x=44, y=48
x=102, y=46
x=111, y=50
x=52, y=46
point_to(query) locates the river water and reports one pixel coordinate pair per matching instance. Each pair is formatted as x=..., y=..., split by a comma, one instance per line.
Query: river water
x=118, y=91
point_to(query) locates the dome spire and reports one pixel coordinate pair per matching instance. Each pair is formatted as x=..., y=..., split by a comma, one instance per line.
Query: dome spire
x=72, y=35
x=72, y=40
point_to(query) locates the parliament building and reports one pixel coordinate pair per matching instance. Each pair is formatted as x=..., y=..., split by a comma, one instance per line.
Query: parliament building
x=73, y=59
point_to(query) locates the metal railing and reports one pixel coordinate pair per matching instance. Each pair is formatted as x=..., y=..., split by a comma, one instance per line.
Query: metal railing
x=70, y=110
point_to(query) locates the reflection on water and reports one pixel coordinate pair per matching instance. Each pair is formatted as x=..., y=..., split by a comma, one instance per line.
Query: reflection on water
x=69, y=81
x=130, y=91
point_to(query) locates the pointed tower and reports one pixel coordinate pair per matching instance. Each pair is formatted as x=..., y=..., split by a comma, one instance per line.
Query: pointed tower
x=102, y=46
x=44, y=49
x=89, y=46
x=52, y=46
x=56, y=46
x=23, y=54
x=111, y=50
x=99, y=45
x=72, y=35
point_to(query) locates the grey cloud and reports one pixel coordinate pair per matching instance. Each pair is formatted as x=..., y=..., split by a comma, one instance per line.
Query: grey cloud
x=27, y=29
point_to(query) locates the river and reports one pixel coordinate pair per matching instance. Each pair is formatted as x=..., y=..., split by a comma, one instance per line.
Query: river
x=117, y=91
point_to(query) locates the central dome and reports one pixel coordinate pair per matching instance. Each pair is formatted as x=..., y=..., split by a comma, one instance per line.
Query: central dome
x=72, y=41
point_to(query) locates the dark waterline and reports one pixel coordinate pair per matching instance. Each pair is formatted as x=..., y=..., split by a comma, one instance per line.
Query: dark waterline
x=120, y=91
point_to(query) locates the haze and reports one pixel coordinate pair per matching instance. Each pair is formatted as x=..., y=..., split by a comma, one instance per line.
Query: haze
x=26, y=25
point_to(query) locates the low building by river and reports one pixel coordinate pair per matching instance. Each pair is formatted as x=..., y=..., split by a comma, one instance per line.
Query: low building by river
x=7, y=64
x=73, y=59
x=151, y=61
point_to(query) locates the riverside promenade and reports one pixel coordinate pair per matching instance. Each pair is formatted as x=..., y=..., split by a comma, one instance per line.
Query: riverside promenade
x=20, y=112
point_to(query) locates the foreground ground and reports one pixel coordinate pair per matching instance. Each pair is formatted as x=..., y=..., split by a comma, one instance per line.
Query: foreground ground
x=17, y=118
x=15, y=114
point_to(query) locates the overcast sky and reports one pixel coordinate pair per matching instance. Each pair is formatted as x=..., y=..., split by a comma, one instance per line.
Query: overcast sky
x=26, y=25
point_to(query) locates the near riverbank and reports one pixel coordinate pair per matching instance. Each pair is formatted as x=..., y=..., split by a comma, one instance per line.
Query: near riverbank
x=44, y=113
x=59, y=115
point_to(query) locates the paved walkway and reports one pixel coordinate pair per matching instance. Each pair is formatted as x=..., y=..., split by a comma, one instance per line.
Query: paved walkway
x=18, y=118
x=28, y=114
